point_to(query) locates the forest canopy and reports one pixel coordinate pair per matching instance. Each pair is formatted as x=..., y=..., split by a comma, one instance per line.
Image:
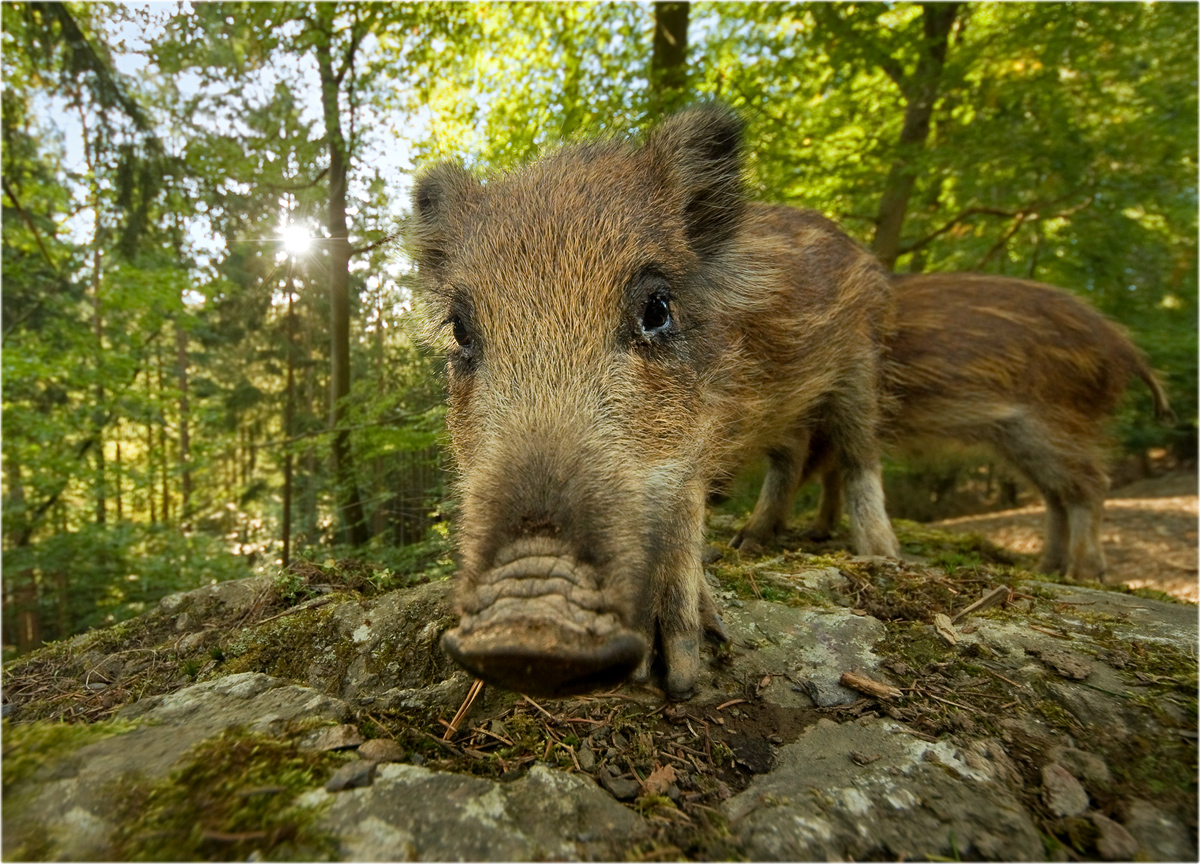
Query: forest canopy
x=206, y=362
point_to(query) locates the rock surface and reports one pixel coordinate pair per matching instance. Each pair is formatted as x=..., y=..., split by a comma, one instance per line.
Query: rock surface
x=1062, y=725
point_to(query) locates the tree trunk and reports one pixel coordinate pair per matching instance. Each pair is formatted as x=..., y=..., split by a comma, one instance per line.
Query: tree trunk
x=668, y=64
x=920, y=94
x=97, y=319
x=150, y=469
x=353, y=518
x=185, y=478
x=289, y=412
x=164, y=444
x=119, y=477
x=98, y=326
x=29, y=618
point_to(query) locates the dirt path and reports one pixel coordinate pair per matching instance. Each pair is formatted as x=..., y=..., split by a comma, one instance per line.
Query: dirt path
x=1150, y=533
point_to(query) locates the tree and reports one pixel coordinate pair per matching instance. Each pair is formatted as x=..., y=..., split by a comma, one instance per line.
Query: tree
x=668, y=63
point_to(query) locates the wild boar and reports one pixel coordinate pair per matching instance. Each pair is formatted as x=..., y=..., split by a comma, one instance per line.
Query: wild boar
x=620, y=326
x=1024, y=367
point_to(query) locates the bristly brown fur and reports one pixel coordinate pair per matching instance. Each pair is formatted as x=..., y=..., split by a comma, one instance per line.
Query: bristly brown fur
x=578, y=433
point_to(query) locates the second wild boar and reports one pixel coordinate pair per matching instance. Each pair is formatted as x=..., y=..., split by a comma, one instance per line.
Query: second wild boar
x=1023, y=367
x=620, y=327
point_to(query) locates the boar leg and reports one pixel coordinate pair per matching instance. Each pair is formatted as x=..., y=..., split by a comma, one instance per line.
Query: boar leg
x=852, y=420
x=870, y=531
x=1068, y=473
x=1055, y=548
x=683, y=611
x=829, y=511
x=785, y=469
x=1087, y=552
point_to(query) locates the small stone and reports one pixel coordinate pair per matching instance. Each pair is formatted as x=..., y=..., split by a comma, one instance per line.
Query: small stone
x=340, y=737
x=587, y=758
x=417, y=759
x=1062, y=793
x=1114, y=843
x=381, y=750
x=353, y=775
x=619, y=741
x=1091, y=770
x=1065, y=664
x=196, y=641
x=675, y=714
x=620, y=788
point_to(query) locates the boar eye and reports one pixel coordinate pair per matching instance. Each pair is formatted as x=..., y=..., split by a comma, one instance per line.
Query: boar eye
x=656, y=317
x=461, y=334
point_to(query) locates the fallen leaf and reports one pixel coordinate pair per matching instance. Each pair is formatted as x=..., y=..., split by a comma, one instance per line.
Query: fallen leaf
x=945, y=629
x=659, y=781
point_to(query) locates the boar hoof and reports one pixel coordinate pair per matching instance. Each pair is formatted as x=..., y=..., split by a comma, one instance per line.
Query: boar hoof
x=748, y=547
x=816, y=533
x=710, y=620
x=642, y=673
x=545, y=660
x=683, y=666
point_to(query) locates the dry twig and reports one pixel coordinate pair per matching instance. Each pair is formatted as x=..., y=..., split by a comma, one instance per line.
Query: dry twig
x=452, y=727
x=863, y=684
x=994, y=597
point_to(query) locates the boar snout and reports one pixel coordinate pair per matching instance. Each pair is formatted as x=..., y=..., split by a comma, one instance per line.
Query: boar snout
x=539, y=622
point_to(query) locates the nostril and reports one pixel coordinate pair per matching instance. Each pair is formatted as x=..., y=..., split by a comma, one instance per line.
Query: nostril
x=539, y=526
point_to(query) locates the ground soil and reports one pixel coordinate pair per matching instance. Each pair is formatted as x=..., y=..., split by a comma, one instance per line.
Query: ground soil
x=1149, y=533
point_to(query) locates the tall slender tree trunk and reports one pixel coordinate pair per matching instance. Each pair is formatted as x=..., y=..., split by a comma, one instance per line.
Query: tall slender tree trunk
x=119, y=472
x=98, y=329
x=185, y=447
x=150, y=467
x=921, y=94
x=289, y=413
x=668, y=63
x=353, y=517
x=163, y=442
x=97, y=317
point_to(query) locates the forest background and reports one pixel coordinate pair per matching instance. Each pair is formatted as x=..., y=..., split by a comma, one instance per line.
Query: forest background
x=206, y=368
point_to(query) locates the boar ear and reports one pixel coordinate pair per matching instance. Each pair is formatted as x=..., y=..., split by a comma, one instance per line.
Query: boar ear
x=699, y=152
x=438, y=198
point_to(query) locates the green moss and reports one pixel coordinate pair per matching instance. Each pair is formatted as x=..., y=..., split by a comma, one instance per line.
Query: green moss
x=234, y=796
x=287, y=646
x=1056, y=716
x=1149, y=594
x=919, y=539
x=29, y=746
x=747, y=581
x=915, y=644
